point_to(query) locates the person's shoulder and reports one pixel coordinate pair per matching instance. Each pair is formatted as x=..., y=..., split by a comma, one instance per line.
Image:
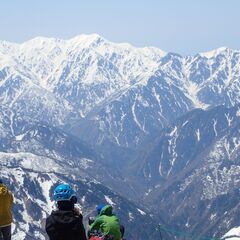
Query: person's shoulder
x=77, y=212
x=70, y=214
x=10, y=193
x=49, y=219
x=52, y=214
x=79, y=217
x=115, y=217
x=101, y=218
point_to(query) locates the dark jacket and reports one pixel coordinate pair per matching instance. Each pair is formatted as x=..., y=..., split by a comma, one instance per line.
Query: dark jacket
x=107, y=223
x=65, y=225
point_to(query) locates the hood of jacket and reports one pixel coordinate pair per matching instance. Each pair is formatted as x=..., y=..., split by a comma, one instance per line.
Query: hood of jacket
x=107, y=210
x=3, y=189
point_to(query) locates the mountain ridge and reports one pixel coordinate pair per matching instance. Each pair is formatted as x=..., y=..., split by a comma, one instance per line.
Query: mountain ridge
x=62, y=98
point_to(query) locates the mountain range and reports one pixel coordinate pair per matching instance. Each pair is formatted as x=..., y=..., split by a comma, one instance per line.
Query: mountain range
x=156, y=132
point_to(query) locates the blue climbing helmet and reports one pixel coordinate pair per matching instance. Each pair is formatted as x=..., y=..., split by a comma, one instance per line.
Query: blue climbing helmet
x=99, y=208
x=63, y=192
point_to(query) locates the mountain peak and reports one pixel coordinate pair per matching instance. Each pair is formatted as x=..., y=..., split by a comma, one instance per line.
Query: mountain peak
x=214, y=52
x=87, y=39
x=40, y=41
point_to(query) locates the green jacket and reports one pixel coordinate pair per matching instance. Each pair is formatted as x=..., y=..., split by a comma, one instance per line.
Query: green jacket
x=107, y=223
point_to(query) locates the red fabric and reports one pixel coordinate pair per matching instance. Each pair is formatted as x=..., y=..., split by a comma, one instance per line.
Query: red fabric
x=95, y=238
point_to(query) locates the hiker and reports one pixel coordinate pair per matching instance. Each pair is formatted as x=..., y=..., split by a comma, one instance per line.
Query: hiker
x=107, y=223
x=6, y=202
x=65, y=223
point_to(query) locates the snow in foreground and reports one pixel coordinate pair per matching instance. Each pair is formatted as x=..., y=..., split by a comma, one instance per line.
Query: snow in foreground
x=233, y=234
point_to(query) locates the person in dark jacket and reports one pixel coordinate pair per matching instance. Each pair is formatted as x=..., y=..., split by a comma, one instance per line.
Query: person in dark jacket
x=65, y=223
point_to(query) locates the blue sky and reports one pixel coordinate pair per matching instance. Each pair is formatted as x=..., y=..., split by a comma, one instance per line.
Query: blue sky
x=182, y=26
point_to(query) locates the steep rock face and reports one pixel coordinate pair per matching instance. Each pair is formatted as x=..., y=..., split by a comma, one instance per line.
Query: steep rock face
x=194, y=171
x=188, y=136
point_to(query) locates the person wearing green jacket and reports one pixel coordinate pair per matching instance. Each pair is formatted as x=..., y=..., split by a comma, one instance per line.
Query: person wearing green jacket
x=107, y=223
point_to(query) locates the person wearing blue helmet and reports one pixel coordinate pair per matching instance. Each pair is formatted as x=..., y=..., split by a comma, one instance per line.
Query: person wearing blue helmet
x=99, y=208
x=65, y=223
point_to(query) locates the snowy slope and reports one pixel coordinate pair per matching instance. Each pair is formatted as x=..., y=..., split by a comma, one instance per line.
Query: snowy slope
x=37, y=157
x=233, y=234
x=113, y=86
x=32, y=179
x=193, y=171
x=53, y=143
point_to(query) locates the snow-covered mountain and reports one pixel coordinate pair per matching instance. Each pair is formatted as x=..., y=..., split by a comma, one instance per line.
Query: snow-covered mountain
x=125, y=117
x=113, y=86
x=193, y=169
x=36, y=157
x=40, y=157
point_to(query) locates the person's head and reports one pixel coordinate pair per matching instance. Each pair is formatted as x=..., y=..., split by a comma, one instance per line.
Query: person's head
x=104, y=210
x=99, y=208
x=65, y=197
